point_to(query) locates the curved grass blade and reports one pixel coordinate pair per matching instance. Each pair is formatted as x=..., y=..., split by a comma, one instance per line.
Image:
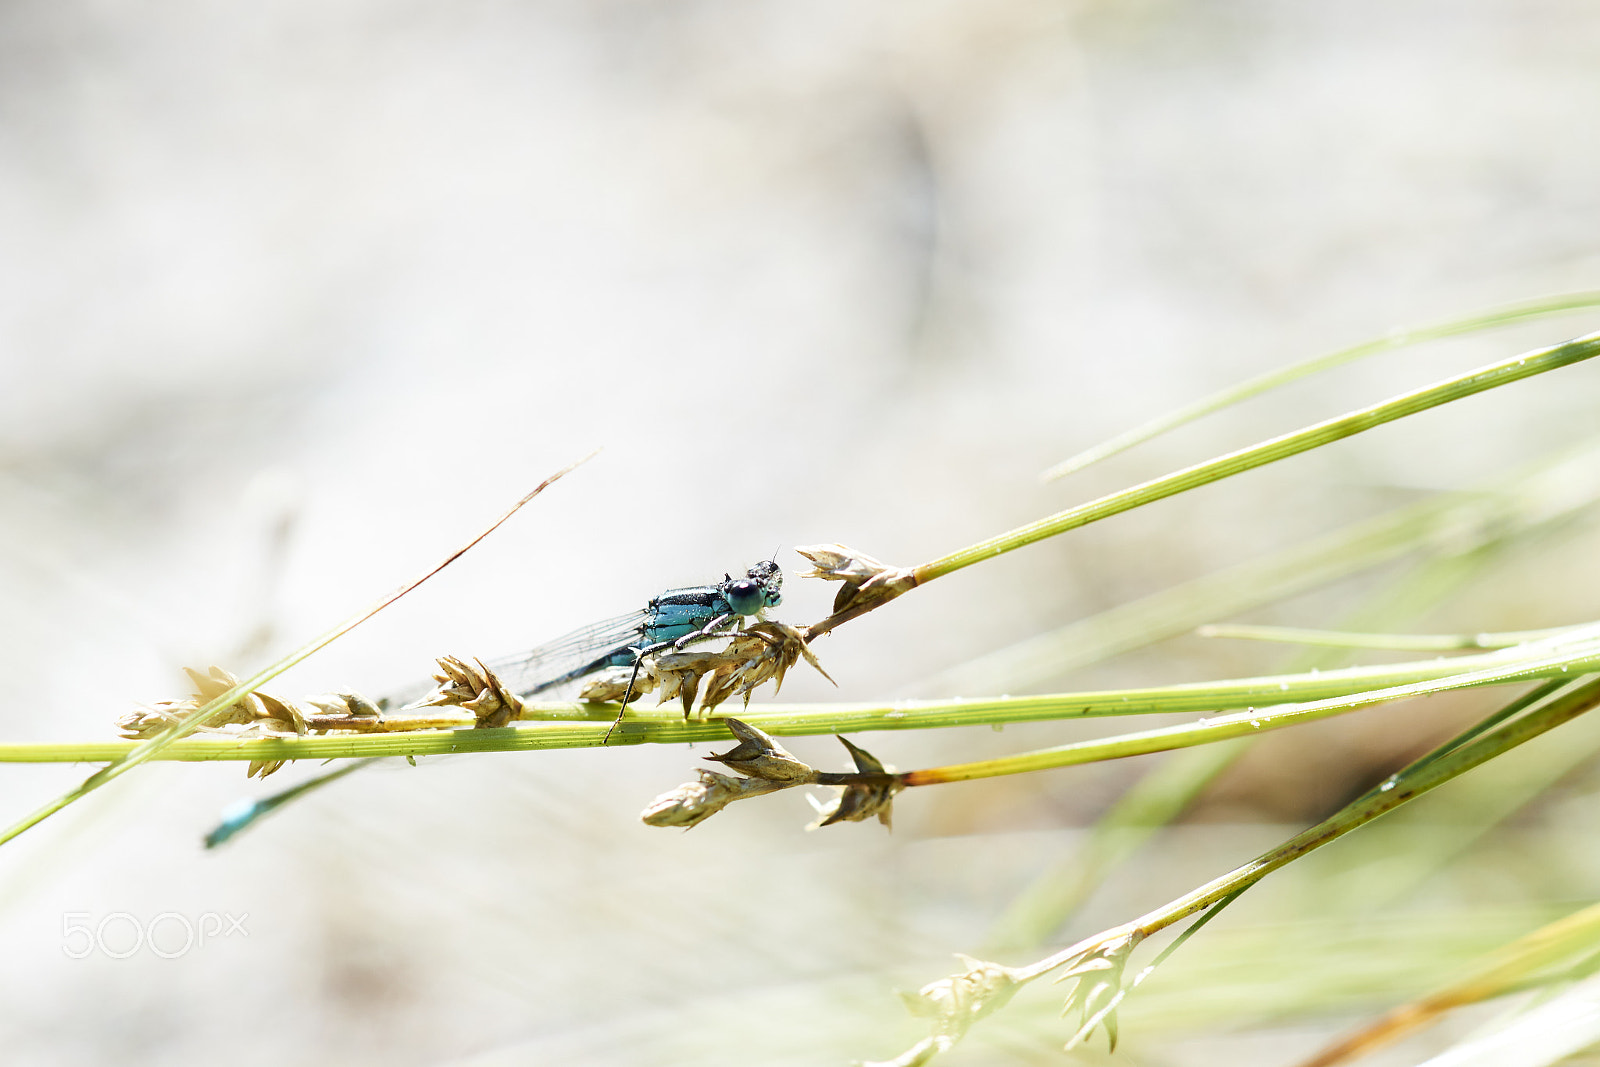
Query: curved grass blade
x=1506, y=316
x=1391, y=642
x=1501, y=972
x=130, y=757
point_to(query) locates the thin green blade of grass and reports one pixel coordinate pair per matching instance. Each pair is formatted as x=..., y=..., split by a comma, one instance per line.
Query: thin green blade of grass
x=1533, y=497
x=1439, y=575
x=1394, y=859
x=1506, y=316
x=1256, y=973
x=1296, y=635
x=1483, y=379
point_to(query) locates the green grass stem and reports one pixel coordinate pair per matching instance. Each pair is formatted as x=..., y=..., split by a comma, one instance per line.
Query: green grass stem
x=573, y=725
x=1247, y=723
x=1270, y=451
x=1428, y=774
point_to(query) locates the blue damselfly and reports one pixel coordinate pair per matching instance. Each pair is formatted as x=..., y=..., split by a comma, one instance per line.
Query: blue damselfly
x=671, y=621
x=675, y=619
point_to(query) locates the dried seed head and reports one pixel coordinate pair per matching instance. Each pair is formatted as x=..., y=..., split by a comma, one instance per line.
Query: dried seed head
x=857, y=803
x=255, y=715
x=760, y=653
x=260, y=768
x=694, y=802
x=1099, y=988
x=214, y=683
x=868, y=582
x=612, y=685
x=476, y=688
x=758, y=756
x=289, y=723
x=834, y=562
x=151, y=721
x=767, y=768
x=358, y=705
x=343, y=704
x=282, y=712
x=678, y=681
x=279, y=717
x=862, y=800
x=954, y=1003
x=682, y=672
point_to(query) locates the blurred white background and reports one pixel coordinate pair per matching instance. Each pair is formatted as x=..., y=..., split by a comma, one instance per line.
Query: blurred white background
x=297, y=296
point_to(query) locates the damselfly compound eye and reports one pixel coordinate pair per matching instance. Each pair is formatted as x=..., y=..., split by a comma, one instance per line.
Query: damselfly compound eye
x=745, y=597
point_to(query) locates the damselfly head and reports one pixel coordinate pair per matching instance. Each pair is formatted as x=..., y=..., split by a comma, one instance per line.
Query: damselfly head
x=761, y=588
